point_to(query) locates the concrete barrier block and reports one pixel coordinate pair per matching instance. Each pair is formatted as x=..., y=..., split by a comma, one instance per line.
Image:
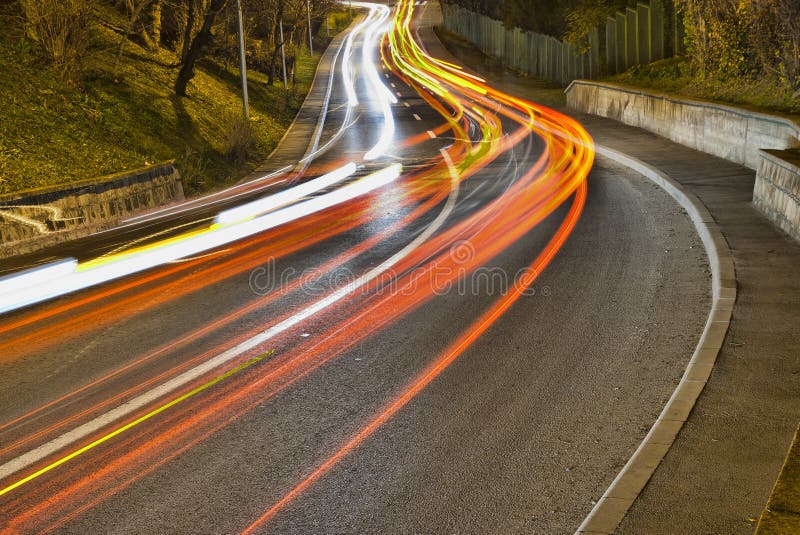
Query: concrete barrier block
x=777, y=189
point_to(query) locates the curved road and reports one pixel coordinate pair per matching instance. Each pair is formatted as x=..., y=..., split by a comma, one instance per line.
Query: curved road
x=370, y=366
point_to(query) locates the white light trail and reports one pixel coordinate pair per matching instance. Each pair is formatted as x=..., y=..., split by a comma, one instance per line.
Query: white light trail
x=378, y=89
x=65, y=277
x=288, y=196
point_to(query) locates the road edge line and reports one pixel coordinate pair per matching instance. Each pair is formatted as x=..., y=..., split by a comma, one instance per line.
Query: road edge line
x=331, y=78
x=609, y=511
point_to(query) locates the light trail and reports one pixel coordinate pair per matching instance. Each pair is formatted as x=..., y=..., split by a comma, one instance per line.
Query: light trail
x=33, y=287
x=545, y=206
x=373, y=181
x=344, y=316
x=378, y=89
x=131, y=425
x=208, y=329
x=261, y=206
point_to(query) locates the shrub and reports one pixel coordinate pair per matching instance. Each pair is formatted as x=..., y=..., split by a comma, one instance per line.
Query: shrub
x=62, y=30
x=193, y=166
x=240, y=140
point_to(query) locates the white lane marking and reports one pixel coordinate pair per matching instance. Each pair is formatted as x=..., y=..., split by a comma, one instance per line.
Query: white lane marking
x=450, y=166
x=399, y=94
x=417, y=117
x=182, y=260
x=406, y=104
x=94, y=425
x=431, y=134
x=394, y=86
x=188, y=376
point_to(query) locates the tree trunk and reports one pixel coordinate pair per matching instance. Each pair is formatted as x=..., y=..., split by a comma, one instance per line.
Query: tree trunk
x=277, y=49
x=135, y=10
x=155, y=18
x=195, y=50
x=191, y=15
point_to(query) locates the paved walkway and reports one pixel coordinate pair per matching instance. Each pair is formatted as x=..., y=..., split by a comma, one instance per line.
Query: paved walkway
x=718, y=475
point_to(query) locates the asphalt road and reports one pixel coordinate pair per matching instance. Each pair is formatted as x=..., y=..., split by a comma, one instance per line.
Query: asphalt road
x=515, y=435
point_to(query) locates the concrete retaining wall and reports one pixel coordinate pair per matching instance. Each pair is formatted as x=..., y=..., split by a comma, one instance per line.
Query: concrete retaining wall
x=33, y=219
x=731, y=133
x=777, y=189
x=755, y=140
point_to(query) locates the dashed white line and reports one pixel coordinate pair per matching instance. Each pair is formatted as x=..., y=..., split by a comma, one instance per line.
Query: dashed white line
x=431, y=134
x=417, y=117
x=406, y=104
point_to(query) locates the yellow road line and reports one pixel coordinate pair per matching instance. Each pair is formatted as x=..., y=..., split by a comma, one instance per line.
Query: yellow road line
x=134, y=423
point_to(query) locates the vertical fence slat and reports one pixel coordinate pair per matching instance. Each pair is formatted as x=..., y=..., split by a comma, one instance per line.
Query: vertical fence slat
x=632, y=38
x=636, y=35
x=644, y=34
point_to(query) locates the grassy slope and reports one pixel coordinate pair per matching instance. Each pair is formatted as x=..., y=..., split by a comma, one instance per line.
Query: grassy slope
x=51, y=133
x=782, y=515
x=674, y=76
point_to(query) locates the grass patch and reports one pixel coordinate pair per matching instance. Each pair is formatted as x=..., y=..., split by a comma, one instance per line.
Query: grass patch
x=675, y=75
x=52, y=133
x=782, y=515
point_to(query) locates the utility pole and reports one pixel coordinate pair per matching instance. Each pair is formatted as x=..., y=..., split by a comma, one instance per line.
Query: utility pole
x=310, y=37
x=283, y=57
x=242, y=62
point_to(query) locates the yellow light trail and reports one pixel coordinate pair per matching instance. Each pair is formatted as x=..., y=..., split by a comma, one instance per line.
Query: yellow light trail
x=134, y=423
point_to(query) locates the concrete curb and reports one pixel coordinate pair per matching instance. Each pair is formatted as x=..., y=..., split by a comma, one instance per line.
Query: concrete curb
x=609, y=511
x=334, y=48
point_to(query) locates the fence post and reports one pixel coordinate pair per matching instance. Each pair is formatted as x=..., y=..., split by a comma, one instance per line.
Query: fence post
x=593, y=57
x=611, y=45
x=632, y=36
x=643, y=32
x=622, y=42
x=657, y=29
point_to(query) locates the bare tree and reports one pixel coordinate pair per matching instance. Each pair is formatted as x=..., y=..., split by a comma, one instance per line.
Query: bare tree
x=278, y=43
x=134, y=9
x=197, y=46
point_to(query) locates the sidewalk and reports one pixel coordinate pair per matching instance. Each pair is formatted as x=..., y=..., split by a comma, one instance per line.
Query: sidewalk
x=718, y=475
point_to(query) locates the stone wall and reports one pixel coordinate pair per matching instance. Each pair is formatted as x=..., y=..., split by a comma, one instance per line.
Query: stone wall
x=777, y=189
x=33, y=219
